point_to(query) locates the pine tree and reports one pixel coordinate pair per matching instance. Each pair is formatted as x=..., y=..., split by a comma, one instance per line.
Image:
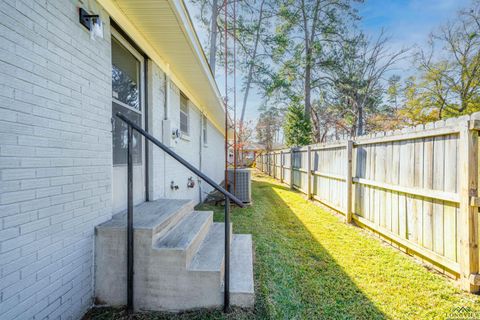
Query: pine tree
x=297, y=128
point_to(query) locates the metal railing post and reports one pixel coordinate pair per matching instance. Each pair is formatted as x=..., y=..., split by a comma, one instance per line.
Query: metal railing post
x=130, y=220
x=226, y=302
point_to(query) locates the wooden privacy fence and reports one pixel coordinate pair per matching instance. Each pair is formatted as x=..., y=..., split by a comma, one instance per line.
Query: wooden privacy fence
x=417, y=187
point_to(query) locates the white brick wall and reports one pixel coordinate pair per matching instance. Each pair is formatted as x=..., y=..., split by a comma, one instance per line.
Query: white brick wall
x=55, y=157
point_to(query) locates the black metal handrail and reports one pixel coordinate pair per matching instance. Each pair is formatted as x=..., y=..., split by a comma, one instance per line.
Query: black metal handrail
x=228, y=196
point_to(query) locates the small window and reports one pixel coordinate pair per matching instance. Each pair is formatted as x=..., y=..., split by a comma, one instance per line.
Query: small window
x=205, y=126
x=184, y=115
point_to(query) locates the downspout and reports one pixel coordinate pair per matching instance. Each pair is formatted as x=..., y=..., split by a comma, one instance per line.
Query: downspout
x=165, y=90
x=147, y=146
x=165, y=117
x=200, y=157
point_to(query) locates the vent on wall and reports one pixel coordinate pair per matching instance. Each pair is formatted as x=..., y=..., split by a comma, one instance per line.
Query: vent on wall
x=243, y=190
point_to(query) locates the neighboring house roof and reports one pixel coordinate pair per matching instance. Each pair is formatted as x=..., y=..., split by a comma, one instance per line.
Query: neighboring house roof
x=253, y=147
x=164, y=30
x=278, y=146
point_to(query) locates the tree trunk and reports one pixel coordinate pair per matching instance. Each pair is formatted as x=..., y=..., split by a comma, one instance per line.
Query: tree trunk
x=252, y=65
x=245, y=96
x=213, y=36
x=308, y=84
x=360, y=120
x=316, y=127
x=308, y=89
x=353, y=130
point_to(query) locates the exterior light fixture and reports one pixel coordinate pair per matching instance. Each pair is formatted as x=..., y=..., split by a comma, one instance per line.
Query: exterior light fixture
x=87, y=20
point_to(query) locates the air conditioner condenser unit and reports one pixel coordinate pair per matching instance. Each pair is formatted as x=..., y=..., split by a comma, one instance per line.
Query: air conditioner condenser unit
x=243, y=184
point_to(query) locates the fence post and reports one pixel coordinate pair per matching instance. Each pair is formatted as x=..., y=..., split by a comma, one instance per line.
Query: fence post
x=468, y=214
x=274, y=165
x=263, y=163
x=269, y=164
x=348, y=182
x=291, y=168
x=309, y=172
x=270, y=173
x=281, y=166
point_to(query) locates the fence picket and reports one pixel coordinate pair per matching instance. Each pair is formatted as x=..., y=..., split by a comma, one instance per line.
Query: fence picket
x=438, y=184
x=450, y=209
x=418, y=182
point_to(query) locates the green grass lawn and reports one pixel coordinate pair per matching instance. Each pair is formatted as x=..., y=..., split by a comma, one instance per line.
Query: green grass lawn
x=311, y=265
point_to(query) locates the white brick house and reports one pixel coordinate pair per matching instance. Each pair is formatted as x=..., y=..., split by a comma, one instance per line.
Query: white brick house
x=60, y=173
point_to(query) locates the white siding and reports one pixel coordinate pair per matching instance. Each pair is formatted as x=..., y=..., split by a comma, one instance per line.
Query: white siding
x=213, y=155
x=156, y=103
x=189, y=148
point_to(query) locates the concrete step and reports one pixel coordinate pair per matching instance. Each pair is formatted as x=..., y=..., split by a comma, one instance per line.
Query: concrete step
x=156, y=217
x=241, y=271
x=187, y=236
x=149, y=220
x=178, y=259
x=211, y=254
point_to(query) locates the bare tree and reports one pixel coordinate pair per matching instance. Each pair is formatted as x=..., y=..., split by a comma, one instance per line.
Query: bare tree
x=268, y=126
x=451, y=74
x=253, y=30
x=252, y=57
x=306, y=31
x=245, y=134
x=358, y=74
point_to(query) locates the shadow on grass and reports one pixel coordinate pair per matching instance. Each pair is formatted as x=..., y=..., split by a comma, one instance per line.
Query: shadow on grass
x=295, y=276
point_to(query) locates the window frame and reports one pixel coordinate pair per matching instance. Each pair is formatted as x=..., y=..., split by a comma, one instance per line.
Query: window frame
x=205, y=130
x=142, y=106
x=141, y=87
x=187, y=114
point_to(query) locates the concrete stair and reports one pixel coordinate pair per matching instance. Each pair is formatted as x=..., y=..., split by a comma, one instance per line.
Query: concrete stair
x=178, y=259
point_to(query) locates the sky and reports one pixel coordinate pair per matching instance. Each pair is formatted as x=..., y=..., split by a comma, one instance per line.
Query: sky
x=407, y=22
